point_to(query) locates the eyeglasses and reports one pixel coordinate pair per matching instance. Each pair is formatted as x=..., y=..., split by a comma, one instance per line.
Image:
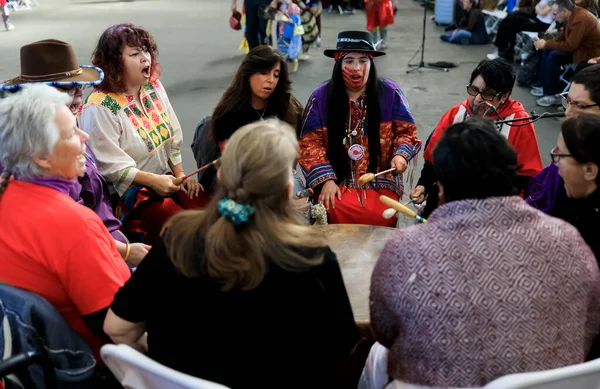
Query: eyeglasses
x=566, y=101
x=71, y=90
x=485, y=95
x=556, y=156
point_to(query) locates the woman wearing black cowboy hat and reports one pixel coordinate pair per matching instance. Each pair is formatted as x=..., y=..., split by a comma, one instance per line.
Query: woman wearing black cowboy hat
x=354, y=124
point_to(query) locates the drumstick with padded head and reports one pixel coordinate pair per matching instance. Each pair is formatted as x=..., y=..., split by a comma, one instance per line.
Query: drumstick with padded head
x=366, y=178
x=391, y=212
x=179, y=180
x=401, y=208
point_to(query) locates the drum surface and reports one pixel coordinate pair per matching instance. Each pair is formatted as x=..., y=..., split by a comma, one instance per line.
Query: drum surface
x=357, y=248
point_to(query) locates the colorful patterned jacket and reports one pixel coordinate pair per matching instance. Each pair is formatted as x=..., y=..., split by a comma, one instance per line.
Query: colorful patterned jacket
x=397, y=131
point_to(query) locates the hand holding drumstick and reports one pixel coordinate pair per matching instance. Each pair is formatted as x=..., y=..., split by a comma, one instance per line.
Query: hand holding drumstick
x=366, y=178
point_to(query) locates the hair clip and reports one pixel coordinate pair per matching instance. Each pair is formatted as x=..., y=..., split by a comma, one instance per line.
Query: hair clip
x=237, y=213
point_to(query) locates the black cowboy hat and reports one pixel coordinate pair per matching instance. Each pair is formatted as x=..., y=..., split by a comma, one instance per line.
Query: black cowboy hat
x=356, y=41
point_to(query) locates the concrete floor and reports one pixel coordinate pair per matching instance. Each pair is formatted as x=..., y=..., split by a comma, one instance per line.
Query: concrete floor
x=198, y=52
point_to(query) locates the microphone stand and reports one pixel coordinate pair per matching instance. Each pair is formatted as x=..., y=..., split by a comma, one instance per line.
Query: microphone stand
x=422, y=63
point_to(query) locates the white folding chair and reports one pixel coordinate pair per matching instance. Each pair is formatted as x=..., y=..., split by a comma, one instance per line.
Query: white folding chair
x=524, y=44
x=134, y=370
x=581, y=376
x=374, y=374
x=567, y=68
x=493, y=20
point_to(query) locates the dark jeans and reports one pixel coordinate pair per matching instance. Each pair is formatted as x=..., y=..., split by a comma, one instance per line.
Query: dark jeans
x=513, y=24
x=255, y=25
x=550, y=70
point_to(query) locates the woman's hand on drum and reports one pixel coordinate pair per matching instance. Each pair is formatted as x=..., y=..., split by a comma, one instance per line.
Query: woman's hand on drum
x=418, y=194
x=399, y=163
x=191, y=187
x=163, y=185
x=328, y=194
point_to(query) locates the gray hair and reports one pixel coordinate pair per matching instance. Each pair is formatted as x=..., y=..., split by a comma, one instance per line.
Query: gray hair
x=27, y=128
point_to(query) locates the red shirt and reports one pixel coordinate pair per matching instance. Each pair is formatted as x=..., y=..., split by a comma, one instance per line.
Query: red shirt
x=522, y=138
x=60, y=250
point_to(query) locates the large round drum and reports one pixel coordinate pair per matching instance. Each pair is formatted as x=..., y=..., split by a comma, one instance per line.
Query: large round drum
x=357, y=248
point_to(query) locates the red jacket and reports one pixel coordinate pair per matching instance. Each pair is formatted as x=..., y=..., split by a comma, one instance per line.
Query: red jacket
x=522, y=138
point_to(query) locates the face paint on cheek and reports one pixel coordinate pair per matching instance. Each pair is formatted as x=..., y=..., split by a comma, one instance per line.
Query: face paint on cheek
x=354, y=79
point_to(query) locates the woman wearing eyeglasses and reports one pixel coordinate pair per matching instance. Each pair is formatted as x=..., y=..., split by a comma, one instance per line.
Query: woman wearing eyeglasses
x=547, y=188
x=578, y=161
x=39, y=65
x=488, y=92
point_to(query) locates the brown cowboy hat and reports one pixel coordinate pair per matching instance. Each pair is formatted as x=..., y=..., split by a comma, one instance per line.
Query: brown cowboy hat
x=52, y=62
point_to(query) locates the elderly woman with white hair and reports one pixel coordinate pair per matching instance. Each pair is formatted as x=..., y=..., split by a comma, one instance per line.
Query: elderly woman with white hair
x=49, y=244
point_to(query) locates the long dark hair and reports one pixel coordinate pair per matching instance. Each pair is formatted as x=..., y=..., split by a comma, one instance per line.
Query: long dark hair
x=338, y=111
x=261, y=59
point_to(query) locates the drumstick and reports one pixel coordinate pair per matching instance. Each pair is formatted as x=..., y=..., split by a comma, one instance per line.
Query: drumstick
x=401, y=208
x=391, y=212
x=409, y=202
x=179, y=180
x=366, y=178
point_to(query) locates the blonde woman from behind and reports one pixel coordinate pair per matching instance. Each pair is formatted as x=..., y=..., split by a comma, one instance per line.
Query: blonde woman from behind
x=242, y=293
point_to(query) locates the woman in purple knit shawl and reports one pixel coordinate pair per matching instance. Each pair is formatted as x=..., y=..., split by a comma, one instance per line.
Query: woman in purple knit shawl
x=489, y=286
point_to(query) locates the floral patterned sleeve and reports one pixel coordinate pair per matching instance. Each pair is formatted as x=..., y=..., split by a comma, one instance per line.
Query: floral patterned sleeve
x=313, y=146
x=175, y=146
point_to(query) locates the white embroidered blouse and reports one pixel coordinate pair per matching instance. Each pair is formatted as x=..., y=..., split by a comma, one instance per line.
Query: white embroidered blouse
x=126, y=139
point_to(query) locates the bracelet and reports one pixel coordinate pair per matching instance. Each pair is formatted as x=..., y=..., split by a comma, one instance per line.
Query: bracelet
x=179, y=171
x=127, y=251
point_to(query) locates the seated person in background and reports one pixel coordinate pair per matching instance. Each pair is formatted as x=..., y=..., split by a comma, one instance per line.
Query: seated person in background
x=489, y=92
x=470, y=28
x=579, y=42
x=249, y=298
x=578, y=160
x=49, y=244
x=489, y=286
x=547, y=187
x=536, y=17
x=135, y=135
x=91, y=190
